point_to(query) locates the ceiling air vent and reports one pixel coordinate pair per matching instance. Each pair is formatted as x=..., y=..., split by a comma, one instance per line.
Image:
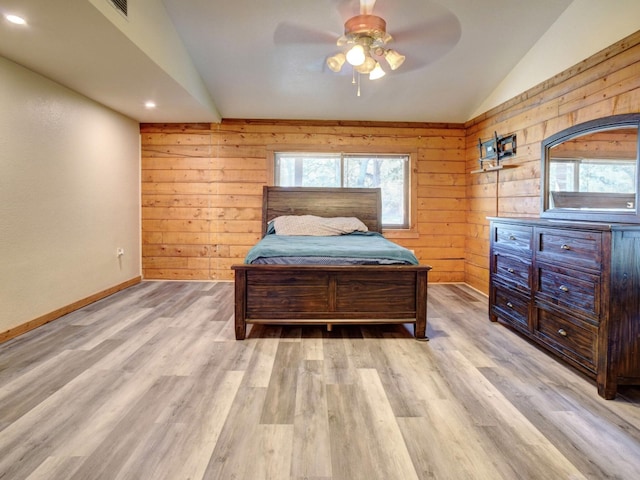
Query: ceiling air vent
x=121, y=6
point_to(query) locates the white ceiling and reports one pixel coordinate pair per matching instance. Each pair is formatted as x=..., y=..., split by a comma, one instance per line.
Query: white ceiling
x=266, y=58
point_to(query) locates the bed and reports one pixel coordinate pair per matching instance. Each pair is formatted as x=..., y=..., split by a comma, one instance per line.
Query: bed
x=312, y=294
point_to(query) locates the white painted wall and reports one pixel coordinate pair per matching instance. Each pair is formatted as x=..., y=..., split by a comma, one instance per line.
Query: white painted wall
x=585, y=28
x=69, y=196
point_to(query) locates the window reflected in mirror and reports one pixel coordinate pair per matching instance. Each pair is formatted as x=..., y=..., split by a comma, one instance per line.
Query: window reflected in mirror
x=595, y=171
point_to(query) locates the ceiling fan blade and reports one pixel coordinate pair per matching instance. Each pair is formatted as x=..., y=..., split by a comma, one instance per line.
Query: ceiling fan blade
x=344, y=7
x=425, y=42
x=366, y=7
x=445, y=30
x=288, y=33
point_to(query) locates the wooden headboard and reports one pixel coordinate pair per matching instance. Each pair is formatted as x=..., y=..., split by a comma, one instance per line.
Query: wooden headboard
x=364, y=203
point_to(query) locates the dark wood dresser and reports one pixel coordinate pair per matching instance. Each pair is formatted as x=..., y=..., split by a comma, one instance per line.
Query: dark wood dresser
x=572, y=287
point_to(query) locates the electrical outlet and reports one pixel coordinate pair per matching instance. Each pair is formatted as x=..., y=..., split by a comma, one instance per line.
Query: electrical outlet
x=120, y=252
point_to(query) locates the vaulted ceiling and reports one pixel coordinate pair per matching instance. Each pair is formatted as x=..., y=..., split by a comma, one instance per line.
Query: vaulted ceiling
x=203, y=60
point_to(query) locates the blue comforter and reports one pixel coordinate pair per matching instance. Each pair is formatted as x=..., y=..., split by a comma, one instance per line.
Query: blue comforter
x=358, y=247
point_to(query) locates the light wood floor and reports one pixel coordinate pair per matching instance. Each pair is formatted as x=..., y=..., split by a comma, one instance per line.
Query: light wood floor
x=150, y=384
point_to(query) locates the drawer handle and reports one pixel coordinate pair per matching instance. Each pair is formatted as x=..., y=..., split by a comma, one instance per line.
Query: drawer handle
x=564, y=288
x=512, y=237
x=509, y=304
x=562, y=332
x=564, y=246
x=510, y=270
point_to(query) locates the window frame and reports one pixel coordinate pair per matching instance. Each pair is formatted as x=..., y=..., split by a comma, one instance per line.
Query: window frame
x=411, y=195
x=579, y=164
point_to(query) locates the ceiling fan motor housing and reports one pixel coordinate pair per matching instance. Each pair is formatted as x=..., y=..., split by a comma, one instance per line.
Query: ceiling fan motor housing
x=366, y=26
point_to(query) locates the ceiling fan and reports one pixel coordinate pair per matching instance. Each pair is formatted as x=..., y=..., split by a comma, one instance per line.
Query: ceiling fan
x=434, y=32
x=365, y=42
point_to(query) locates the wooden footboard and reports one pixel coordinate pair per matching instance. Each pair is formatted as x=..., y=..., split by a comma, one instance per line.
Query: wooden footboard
x=312, y=294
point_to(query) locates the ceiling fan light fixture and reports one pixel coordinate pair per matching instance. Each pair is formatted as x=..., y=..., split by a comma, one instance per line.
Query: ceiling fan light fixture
x=394, y=59
x=356, y=56
x=336, y=61
x=377, y=72
x=367, y=66
x=364, y=44
x=386, y=38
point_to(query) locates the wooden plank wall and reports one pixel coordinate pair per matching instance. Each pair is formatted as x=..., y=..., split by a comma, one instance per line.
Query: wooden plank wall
x=202, y=187
x=201, y=190
x=608, y=83
x=617, y=144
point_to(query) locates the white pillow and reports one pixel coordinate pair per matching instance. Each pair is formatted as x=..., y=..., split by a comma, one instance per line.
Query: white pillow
x=312, y=225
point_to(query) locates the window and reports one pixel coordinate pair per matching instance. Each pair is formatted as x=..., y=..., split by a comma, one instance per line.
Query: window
x=593, y=175
x=389, y=172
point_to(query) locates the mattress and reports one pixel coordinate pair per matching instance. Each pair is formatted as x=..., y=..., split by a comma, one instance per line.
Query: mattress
x=358, y=248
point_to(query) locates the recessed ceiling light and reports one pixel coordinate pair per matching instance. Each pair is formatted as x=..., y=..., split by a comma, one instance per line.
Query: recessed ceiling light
x=150, y=104
x=16, y=19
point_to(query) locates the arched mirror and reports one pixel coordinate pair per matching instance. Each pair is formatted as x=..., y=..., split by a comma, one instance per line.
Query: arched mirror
x=590, y=171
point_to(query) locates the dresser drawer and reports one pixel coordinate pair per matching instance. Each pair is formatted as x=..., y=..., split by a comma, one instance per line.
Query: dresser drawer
x=572, y=337
x=512, y=269
x=513, y=236
x=573, y=290
x=569, y=247
x=510, y=307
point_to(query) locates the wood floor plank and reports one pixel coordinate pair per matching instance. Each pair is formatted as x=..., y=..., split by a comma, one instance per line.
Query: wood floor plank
x=490, y=408
x=27, y=391
x=204, y=429
x=37, y=435
x=312, y=446
x=279, y=406
x=134, y=428
x=273, y=459
x=351, y=455
x=151, y=383
x=260, y=366
x=237, y=445
x=445, y=444
x=312, y=343
x=182, y=440
x=395, y=358
x=56, y=467
x=27, y=351
x=337, y=365
x=392, y=456
x=618, y=455
x=108, y=330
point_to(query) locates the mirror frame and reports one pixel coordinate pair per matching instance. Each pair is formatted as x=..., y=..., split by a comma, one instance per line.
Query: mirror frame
x=600, y=124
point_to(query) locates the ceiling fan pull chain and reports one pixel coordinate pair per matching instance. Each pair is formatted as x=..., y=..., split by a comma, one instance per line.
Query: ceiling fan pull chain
x=358, y=84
